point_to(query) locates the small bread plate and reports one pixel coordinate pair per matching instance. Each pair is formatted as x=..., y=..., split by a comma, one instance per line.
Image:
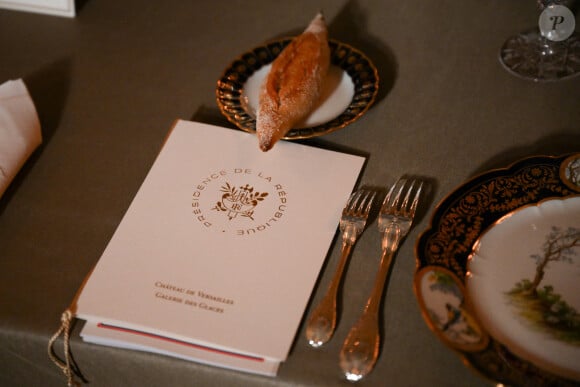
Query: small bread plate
x=349, y=90
x=498, y=272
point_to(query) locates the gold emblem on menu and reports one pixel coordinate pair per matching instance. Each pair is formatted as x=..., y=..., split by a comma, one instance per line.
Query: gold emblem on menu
x=239, y=201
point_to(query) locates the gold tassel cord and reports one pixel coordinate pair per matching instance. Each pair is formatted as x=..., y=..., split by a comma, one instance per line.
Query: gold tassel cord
x=67, y=366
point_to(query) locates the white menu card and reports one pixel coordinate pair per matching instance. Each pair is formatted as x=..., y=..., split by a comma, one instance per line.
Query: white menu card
x=217, y=256
x=49, y=7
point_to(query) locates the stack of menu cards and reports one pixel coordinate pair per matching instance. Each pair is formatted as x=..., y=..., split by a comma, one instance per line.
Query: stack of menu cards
x=217, y=255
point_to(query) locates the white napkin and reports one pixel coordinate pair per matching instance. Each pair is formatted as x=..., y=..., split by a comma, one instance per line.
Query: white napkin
x=20, y=131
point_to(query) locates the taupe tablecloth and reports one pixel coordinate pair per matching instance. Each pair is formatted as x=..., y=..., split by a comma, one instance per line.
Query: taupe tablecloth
x=108, y=85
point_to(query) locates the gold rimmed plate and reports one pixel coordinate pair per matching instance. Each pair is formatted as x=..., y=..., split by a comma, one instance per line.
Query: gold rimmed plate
x=349, y=90
x=523, y=268
x=466, y=279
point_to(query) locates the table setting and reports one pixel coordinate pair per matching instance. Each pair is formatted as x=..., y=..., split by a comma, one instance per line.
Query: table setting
x=411, y=220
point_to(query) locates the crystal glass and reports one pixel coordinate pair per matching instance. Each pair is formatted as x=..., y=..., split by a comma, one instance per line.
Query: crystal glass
x=549, y=52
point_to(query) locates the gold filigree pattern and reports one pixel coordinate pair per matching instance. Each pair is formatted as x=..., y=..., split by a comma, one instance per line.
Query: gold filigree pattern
x=468, y=215
x=508, y=369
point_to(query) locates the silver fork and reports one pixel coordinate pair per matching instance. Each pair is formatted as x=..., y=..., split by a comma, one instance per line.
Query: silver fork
x=322, y=321
x=360, y=350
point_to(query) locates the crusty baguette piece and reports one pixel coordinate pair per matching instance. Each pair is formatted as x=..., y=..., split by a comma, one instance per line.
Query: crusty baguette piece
x=292, y=87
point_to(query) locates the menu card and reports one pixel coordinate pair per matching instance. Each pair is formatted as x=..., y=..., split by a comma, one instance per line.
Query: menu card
x=217, y=255
x=49, y=7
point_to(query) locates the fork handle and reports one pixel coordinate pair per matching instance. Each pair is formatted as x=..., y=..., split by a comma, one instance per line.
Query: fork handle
x=360, y=350
x=322, y=322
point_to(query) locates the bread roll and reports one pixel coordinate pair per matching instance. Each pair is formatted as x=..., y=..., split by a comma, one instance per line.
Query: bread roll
x=292, y=87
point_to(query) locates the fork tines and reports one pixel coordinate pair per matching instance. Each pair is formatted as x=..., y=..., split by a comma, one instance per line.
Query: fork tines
x=359, y=202
x=395, y=198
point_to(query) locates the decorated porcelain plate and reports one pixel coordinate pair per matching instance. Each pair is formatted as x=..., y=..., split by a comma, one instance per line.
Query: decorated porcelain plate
x=498, y=272
x=349, y=90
